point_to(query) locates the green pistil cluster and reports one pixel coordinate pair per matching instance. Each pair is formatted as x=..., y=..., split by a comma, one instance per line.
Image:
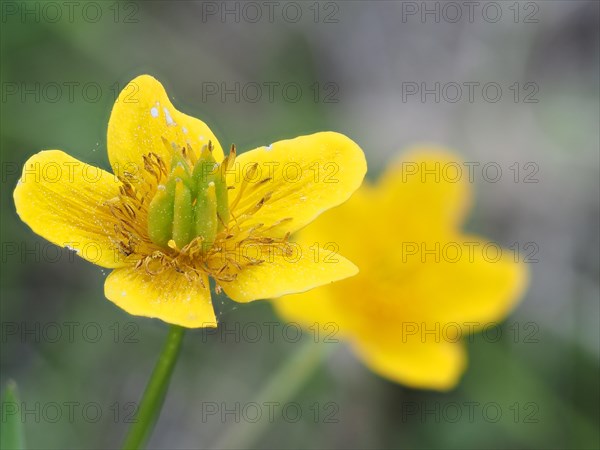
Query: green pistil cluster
x=192, y=203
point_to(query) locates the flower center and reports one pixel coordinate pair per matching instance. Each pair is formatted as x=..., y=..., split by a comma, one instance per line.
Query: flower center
x=188, y=225
x=192, y=202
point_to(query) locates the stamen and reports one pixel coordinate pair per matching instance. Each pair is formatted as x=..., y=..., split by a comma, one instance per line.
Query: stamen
x=243, y=185
x=229, y=159
x=279, y=222
x=191, y=155
x=254, y=209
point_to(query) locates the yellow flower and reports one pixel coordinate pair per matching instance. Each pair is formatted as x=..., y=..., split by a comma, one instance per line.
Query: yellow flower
x=176, y=211
x=423, y=284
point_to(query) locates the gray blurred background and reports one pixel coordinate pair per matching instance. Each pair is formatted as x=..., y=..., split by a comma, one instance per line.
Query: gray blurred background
x=356, y=64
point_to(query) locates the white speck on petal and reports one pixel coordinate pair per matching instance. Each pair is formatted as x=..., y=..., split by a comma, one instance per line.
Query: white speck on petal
x=269, y=147
x=201, y=138
x=154, y=112
x=184, y=130
x=170, y=121
x=123, y=293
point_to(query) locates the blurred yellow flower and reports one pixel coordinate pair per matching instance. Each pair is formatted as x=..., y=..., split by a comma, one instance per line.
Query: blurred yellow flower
x=177, y=211
x=423, y=284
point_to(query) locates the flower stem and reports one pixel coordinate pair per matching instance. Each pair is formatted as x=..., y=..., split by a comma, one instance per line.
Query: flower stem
x=281, y=387
x=154, y=395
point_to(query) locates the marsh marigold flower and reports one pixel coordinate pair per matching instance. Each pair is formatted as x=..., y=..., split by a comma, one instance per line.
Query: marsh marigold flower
x=423, y=283
x=177, y=211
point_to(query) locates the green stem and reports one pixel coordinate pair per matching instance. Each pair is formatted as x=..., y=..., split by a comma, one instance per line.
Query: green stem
x=281, y=387
x=154, y=395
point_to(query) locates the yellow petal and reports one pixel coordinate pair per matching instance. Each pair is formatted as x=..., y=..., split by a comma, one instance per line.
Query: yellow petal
x=297, y=178
x=316, y=308
x=426, y=191
x=356, y=228
x=63, y=200
x=280, y=274
x=481, y=286
x=141, y=117
x=365, y=314
x=419, y=365
x=168, y=296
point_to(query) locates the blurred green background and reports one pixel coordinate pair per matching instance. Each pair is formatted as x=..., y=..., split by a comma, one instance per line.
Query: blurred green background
x=351, y=61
